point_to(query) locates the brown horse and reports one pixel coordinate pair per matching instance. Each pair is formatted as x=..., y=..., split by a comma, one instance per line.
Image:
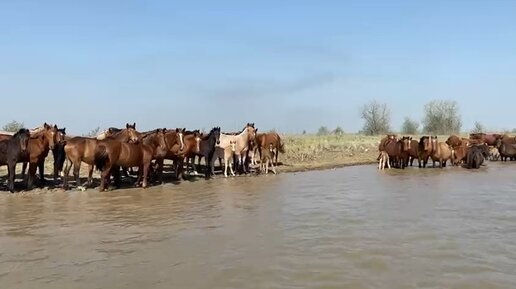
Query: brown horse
x=42, y=140
x=384, y=141
x=398, y=151
x=176, y=144
x=192, y=142
x=110, y=155
x=82, y=149
x=11, y=150
x=442, y=153
x=414, y=152
x=264, y=140
x=425, y=149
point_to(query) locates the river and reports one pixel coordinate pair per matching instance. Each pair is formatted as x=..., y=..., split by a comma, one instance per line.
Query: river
x=346, y=228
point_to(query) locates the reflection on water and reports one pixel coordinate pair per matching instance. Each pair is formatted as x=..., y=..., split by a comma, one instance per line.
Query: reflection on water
x=348, y=228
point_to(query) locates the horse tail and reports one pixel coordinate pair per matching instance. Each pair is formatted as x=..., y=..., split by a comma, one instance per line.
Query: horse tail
x=281, y=146
x=101, y=157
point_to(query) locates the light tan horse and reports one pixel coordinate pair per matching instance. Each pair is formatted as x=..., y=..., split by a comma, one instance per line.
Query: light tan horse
x=82, y=149
x=442, y=152
x=242, y=144
x=384, y=161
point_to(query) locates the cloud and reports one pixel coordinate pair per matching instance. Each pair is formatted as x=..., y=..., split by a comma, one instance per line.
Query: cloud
x=259, y=88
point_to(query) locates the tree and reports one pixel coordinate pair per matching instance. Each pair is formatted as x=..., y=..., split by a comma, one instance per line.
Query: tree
x=323, y=131
x=304, y=132
x=478, y=128
x=442, y=117
x=93, y=132
x=409, y=126
x=377, y=117
x=13, y=126
x=338, y=131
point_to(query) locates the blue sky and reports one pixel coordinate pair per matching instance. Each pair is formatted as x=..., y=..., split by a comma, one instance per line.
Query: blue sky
x=288, y=65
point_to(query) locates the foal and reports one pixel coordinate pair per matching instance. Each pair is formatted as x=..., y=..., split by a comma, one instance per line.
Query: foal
x=229, y=152
x=266, y=159
x=384, y=160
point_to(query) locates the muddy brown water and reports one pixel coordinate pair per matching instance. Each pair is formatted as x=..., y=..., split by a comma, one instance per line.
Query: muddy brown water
x=347, y=228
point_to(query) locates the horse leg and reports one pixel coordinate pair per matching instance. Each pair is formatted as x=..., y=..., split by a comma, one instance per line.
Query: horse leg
x=231, y=169
x=11, y=168
x=66, y=173
x=24, y=169
x=32, y=174
x=90, y=176
x=41, y=167
x=226, y=161
x=115, y=170
x=146, y=168
x=76, y=171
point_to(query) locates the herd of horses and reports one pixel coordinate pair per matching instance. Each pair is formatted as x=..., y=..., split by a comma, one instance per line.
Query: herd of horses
x=469, y=152
x=116, y=151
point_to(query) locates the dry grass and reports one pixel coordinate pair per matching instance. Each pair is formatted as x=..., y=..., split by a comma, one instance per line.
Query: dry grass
x=305, y=152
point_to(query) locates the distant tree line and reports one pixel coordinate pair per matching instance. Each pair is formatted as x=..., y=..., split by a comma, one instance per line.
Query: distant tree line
x=440, y=117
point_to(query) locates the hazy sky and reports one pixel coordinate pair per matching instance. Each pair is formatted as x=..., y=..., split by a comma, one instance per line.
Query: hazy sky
x=289, y=65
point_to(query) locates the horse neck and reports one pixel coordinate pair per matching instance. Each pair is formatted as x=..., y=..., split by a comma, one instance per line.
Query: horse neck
x=150, y=140
x=120, y=136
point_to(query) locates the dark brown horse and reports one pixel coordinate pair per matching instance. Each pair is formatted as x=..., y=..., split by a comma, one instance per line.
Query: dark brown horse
x=11, y=150
x=82, y=149
x=42, y=140
x=425, y=149
x=111, y=155
x=264, y=140
x=207, y=149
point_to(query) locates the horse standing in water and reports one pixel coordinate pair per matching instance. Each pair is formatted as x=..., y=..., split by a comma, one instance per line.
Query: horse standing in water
x=242, y=145
x=82, y=149
x=110, y=155
x=192, y=140
x=42, y=140
x=207, y=149
x=175, y=140
x=441, y=152
x=11, y=150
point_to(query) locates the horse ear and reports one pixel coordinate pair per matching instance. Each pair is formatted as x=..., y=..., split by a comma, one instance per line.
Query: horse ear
x=55, y=126
x=126, y=125
x=64, y=129
x=134, y=125
x=177, y=129
x=184, y=129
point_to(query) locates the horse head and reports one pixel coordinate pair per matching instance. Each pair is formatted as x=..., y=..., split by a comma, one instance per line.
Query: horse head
x=216, y=134
x=197, y=137
x=23, y=136
x=162, y=140
x=181, y=140
x=131, y=132
x=50, y=133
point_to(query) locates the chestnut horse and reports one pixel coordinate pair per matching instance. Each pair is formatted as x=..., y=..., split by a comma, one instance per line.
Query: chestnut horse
x=176, y=144
x=42, y=140
x=264, y=140
x=82, y=149
x=192, y=141
x=111, y=154
x=11, y=150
